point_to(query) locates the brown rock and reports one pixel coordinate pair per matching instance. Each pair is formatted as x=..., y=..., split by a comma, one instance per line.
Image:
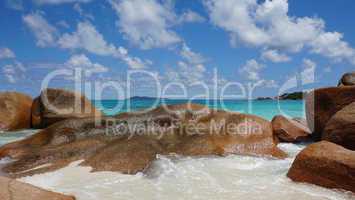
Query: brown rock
x=14, y=190
x=289, y=130
x=347, y=79
x=322, y=104
x=325, y=164
x=15, y=111
x=223, y=133
x=55, y=105
x=129, y=142
x=128, y=156
x=340, y=129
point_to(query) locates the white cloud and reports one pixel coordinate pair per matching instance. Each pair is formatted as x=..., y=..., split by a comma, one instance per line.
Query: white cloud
x=6, y=53
x=146, y=23
x=83, y=62
x=190, y=17
x=54, y=2
x=251, y=70
x=14, y=72
x=187, y=73
x=267, y=24
x=44, y=32
x=63, y=24
x=81, y=12
x=14, y=4
x=274, y=56
x=331, y=45
x=308, y=71
x=88, y=38
x=190, y=56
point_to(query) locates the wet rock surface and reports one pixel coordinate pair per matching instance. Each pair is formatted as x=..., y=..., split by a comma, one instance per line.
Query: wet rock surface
x=325, y=164
x=290, y=130
x=322, y=104
x=129, y=143
x=340, y=129
x=54, y=105
x=15, y=111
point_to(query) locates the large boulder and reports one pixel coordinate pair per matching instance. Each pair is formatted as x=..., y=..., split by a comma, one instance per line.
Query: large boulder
x=322, y=104
x=325, y=164
x=14, y=190
x=15, y=111
x=347, y=79
x=340, y=129
x=289, y=130
x=55, y=105
x=129, y=142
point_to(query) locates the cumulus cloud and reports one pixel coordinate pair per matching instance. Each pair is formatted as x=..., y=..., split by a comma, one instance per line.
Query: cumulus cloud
x=190, y=16
x=274, y=56
x=6, y=53
x=267, y=24
x=191, y=70
x=81, y=12
x=45, y=33
x=88, y=38
x=187, y=73
x=56, y=2
x=146, y=23
x=251, y=70
x=331, y=45
x=191, y=56
x=308, y=71
x=14, y=4
x=14, y=72
x=83, y=62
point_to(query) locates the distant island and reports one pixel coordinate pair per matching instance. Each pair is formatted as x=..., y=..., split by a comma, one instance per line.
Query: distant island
x=285, y=96
x=292, y=96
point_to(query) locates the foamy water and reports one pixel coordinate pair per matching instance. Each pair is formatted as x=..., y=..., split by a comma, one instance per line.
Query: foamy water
x=232, y=177
x=7, y=137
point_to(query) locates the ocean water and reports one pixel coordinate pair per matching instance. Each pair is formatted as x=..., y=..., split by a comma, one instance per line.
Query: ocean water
x=266, y=108
x=208, y=178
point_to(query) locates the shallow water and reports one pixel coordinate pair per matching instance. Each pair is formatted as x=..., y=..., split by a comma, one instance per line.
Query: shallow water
x=266, y=108
x=232, y=177
x=7, y=137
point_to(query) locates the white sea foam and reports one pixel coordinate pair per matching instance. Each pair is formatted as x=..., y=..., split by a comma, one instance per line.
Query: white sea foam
x=232, y=177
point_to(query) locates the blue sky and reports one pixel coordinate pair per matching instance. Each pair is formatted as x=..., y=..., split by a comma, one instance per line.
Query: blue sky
x=246, y=41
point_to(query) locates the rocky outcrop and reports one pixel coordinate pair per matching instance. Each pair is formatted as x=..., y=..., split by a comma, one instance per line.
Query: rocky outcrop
x=325, y=164
x=129, y=142
x=14, y=190
x=340, y=128
x=289, y=130
x=322, y=104
x=15, y=111
x=347, y=79
x=55, y=105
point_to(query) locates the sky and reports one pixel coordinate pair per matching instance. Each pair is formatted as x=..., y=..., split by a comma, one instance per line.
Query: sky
x=122, y=48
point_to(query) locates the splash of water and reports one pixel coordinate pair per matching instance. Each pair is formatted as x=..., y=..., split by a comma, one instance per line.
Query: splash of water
x=232, y=177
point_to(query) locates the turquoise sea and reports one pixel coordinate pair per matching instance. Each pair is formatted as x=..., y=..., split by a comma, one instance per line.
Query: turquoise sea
x=263, y=108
